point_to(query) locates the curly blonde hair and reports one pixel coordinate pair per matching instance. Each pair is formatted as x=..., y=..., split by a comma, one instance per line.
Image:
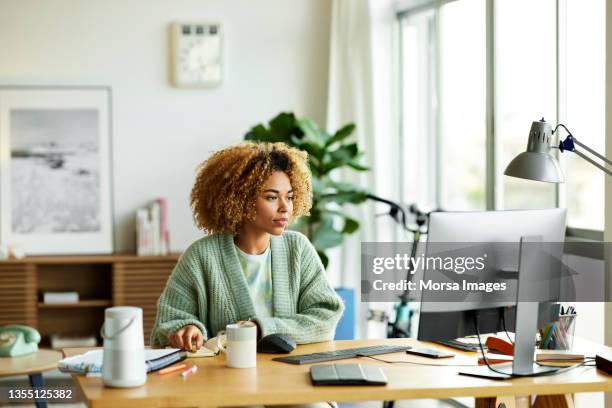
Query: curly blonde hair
x=228, y=182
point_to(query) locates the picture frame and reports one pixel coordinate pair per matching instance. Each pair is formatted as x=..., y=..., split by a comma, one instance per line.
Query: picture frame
x=55, y=170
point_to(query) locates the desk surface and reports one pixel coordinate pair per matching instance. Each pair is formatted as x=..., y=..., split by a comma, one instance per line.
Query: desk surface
x=279, y=383
x=42, y=360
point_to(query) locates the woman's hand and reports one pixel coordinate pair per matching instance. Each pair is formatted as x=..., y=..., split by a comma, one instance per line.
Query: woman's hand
x=184, y=337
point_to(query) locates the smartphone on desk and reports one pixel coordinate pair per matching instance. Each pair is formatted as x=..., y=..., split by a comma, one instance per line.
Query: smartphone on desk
x=429, y=353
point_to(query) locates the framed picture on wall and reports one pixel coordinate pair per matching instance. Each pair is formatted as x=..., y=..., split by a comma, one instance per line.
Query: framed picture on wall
x=55, y=170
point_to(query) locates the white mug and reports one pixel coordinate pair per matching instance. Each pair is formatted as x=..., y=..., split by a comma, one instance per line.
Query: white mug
x=241, y=343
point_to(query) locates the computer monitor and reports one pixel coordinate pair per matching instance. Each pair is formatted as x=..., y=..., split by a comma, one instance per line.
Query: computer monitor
x=449, y=320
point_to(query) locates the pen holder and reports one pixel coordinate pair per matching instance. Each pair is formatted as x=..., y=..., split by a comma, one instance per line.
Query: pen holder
x=558, y=335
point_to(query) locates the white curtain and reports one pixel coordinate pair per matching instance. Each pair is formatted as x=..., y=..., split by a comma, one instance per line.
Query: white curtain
x=361, y=92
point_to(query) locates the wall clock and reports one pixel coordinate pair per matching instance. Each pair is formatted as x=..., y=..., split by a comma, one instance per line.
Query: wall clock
x=196, y=54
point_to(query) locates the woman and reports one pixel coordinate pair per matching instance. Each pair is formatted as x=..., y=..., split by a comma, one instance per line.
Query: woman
x=249, y=267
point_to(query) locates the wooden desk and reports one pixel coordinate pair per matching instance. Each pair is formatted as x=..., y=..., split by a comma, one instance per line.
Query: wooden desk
x=32, y=365
x=278, y=383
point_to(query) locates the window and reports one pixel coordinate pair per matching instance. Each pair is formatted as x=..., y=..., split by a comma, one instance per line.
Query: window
x=463, y=120
x=585, y=105
x=462, y=105
x=418, y=109
x=525, y=91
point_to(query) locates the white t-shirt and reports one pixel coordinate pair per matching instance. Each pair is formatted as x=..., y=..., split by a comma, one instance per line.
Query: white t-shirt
x=257, y=270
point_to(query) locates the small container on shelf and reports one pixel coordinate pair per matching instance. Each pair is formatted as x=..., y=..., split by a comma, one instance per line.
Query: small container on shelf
x=60, y=341
x=60, y=297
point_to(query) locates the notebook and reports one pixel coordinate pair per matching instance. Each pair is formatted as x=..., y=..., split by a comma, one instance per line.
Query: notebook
x=155, y=363
x=91, y=361
x=347, y=374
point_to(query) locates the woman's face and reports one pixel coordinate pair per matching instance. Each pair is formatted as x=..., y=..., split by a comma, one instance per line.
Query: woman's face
x=274, y=204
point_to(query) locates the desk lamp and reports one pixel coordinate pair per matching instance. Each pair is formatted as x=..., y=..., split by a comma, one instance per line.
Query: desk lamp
x=538, y=164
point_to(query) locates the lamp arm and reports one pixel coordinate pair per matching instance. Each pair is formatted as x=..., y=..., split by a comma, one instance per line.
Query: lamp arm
x=593, y=162
x=593, y=152
x=568, y=144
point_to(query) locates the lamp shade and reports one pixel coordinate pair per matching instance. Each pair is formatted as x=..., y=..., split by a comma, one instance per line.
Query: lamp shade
x=537, y=163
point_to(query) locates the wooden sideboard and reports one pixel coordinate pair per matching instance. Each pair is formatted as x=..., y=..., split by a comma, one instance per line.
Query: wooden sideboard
x=101, y=280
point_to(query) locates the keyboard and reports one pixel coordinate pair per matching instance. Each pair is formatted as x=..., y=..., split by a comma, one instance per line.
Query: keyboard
x=461, y=345
x=341, y=354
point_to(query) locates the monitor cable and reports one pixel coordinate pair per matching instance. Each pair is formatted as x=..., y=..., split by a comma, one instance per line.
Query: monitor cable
x=503, y=321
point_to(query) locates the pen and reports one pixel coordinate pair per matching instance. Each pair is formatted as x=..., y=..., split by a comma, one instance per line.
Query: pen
x=172, y=369
x=189, y=371
x=554, y=341
x=548, y=335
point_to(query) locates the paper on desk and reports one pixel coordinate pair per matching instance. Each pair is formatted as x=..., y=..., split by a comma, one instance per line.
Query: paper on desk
x=202, y=352
x=209, y=349
x=91, y=361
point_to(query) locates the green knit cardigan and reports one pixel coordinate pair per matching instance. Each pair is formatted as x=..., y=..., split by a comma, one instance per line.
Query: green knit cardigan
x=207, y=288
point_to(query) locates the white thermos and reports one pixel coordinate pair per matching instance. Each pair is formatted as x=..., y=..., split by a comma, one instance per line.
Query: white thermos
x=123, y=364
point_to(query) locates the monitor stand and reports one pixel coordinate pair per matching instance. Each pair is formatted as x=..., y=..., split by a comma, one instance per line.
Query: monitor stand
x=526, y=324
x=524, y=346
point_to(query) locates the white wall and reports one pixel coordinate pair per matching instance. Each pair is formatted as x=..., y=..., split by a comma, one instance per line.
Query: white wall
x=276, y=58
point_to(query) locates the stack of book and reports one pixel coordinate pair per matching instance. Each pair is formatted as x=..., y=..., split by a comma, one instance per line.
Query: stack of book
x=152, y=235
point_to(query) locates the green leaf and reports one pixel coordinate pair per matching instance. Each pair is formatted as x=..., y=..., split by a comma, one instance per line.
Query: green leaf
x=325, y=236
x=314, y=167
x=316, y=215
x=340, y=157
x=344, y=187
x=259, y=133
x=284, y=127
x=329, y=166
x=281, y=128
x=324, y=258
x=311, y=148
x=342, y=198
x=318, y=186
x=345, y=152
x=341, y=134
x=350, y=225
x=334, y=212
x=310, y=128
x=357, y=166
x=284, y=122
